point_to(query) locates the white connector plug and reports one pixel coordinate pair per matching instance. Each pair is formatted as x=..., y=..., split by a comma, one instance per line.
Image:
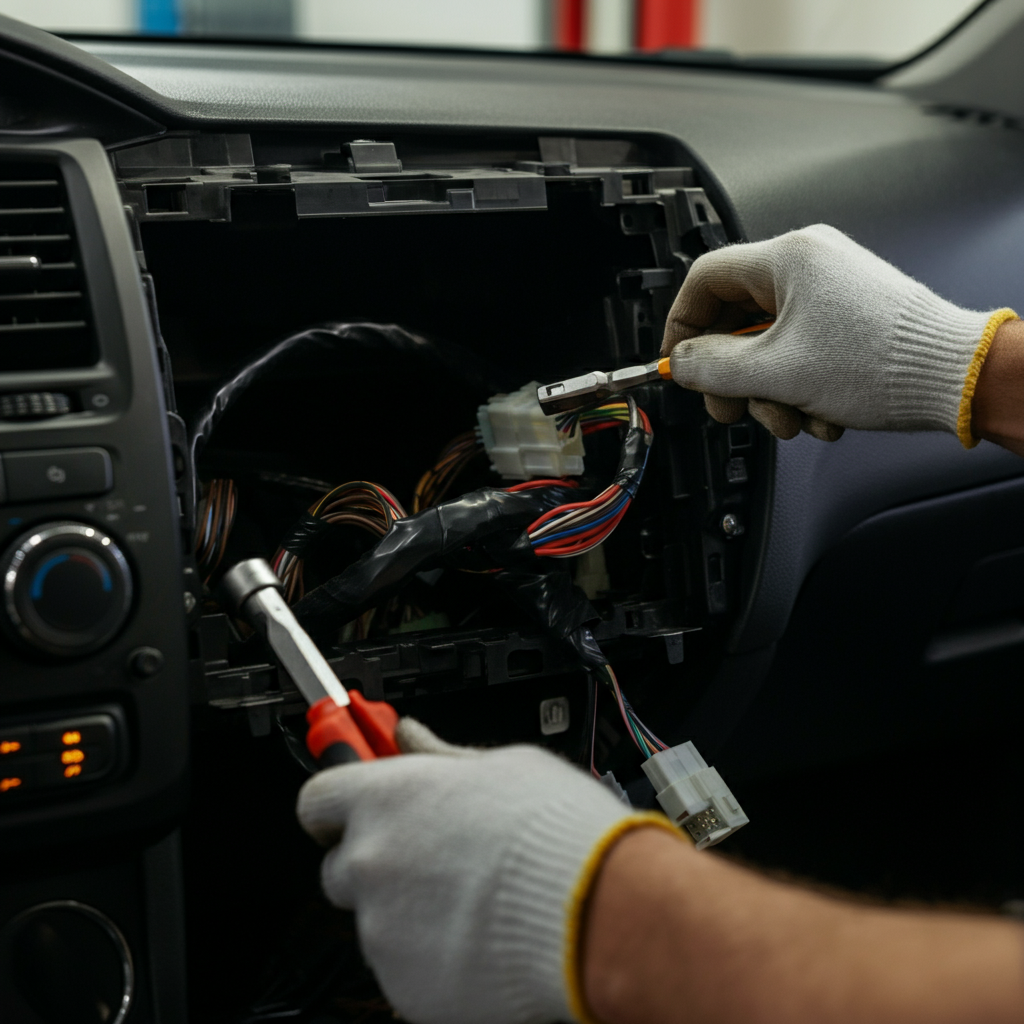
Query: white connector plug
x=522, y=442
x=694, y=796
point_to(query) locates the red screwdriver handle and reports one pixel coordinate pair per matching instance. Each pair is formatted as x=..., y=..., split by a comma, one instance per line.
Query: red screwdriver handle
x=376, y=720
x=361, y=731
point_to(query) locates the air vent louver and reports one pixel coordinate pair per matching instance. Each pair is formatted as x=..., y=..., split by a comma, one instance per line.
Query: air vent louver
x=45, y=321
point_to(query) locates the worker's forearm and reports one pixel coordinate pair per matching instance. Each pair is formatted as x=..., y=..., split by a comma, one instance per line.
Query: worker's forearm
x=676, y=936
x=998, y=405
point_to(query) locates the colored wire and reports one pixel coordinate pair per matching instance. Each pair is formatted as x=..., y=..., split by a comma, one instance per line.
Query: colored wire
x=454, y=457
x=359, y=503
x=215, y=518
x=592, y=420
x=530, y=485
x=579, y=526
x=647, y=743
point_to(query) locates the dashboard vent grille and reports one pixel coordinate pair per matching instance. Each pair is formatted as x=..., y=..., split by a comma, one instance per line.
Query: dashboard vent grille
x=45, y=321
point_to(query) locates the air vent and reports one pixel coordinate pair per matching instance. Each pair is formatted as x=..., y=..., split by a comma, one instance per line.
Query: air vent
x=45, y=322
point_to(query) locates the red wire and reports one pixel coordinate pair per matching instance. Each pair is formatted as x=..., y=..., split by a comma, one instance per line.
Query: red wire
x=593, y=428
x=582, y=541
x=562, y=509
x=568, y=508
x=529, y=485
x=392, y=502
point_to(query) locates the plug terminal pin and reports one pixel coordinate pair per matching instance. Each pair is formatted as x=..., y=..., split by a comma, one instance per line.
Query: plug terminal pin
x=694, y=795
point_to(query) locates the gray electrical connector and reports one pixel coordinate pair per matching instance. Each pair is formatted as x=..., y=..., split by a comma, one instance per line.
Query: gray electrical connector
x=693, y=795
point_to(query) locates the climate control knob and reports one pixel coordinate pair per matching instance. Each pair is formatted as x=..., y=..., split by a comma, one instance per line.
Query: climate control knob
x=67, y=588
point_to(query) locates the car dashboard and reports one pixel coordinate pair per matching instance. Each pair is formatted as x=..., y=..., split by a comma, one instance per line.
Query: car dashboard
x=240, y=283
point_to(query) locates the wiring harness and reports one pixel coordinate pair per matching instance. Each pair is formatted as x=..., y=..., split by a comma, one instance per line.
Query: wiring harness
x=646, y=742
x=454, y=458
x=214, y=523
x=570, y=530
x=597, y=665
x=505, y=528
x=360, y=503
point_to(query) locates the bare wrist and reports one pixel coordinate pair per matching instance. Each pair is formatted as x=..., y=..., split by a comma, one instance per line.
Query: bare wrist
x=617, y=920
x=997, y=410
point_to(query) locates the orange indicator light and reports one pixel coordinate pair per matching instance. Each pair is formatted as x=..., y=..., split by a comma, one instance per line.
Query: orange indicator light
x=72, y=770
x=71, y=738
x=9, y=746
x=6, y=784
x=72, y=757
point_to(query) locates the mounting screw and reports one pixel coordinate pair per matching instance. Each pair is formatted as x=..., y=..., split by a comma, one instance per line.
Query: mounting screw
x=190, y=602
x=732, y=525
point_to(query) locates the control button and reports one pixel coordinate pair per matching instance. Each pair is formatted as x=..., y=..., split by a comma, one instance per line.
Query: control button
x=59, y=473
x=145, y=662
x=34, y=405
x=96, y=399
x=17, y=779
x=67, y=588
x=736, y=470
x=15, y=743
x=75, y=764
x=93, y=731
x=64, y=752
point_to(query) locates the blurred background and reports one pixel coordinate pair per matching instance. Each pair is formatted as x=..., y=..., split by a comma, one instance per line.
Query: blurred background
x=884, y=30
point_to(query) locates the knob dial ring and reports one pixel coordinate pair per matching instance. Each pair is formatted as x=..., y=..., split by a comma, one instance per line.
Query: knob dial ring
x=67, y=588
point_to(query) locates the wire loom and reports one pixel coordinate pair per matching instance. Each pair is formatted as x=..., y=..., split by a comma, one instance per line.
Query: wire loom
x=449, y=359
x=489, y=522
x=572, y=529
x=490, y=519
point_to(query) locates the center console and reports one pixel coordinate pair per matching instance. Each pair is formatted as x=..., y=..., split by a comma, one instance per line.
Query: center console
x=93, y=658
x=128, y=296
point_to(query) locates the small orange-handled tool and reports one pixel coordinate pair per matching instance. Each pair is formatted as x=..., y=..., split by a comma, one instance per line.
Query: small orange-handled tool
x=343, y=726
x=579, y=392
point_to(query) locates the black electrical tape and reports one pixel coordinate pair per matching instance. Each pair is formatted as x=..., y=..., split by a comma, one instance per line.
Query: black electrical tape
x=552, y=597
x=303, y=532
x=451, y=360
x=586, y=647
x=635, y=446
x=414, y=542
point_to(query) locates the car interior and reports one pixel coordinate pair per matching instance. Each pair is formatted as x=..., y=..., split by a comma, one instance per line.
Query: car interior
x=266, y=299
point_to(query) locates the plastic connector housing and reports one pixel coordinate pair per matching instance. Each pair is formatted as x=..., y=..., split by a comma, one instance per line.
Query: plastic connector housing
x=694, y=795
x=522, y=442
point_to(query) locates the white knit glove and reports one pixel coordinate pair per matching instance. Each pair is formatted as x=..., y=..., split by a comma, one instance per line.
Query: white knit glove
x=467, y=871
x=856, y=343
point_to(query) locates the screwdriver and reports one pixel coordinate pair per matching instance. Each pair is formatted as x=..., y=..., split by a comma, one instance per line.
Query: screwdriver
x=343, y=725
x=578, y=392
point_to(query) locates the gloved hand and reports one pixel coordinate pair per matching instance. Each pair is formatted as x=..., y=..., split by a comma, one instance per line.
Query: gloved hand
x=856, y=343
x=468, y=871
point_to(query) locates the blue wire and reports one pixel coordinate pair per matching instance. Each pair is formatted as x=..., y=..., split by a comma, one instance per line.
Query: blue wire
x=585, y=526
x=629, y=493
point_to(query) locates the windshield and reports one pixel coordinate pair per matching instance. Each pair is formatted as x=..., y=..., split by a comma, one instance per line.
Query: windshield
x=871, y=30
